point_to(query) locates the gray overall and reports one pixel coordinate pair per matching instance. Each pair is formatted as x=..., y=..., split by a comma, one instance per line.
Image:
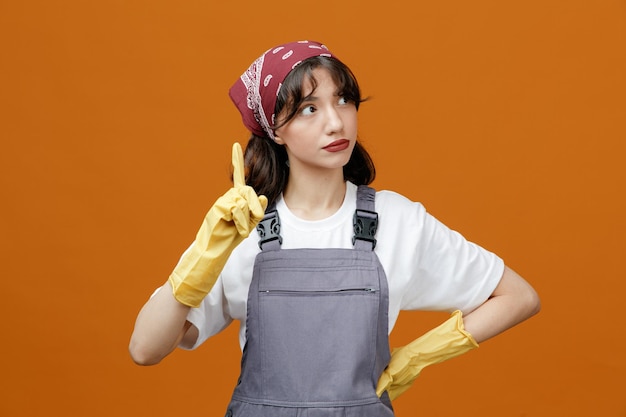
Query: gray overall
x=317, y=323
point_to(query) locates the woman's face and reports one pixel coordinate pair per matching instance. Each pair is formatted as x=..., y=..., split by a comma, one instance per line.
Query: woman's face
x=323, y=132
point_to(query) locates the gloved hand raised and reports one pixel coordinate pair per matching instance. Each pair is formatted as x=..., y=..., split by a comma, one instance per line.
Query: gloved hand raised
x=444, y=342
x=231, y=219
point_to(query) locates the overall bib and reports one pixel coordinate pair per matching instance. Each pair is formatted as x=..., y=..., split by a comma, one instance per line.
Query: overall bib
x=316, y=327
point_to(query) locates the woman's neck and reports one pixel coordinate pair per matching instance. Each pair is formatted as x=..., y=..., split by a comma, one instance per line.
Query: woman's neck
x=315, y=197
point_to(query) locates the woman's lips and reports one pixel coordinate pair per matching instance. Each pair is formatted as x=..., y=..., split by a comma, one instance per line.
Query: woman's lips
x=338, y=145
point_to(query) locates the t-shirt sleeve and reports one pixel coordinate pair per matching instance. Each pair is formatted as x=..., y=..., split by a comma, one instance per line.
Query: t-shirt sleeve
x=439, y=269
x=212, y=316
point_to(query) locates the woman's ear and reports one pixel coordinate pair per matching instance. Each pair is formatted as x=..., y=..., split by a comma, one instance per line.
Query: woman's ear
x=278, y=140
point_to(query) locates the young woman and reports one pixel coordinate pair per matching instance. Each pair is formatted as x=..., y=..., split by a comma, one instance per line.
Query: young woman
x=316, y=265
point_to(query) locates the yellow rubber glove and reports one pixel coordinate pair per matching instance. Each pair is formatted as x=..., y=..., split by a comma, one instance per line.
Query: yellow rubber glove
x=444, y=342
x=231, y=219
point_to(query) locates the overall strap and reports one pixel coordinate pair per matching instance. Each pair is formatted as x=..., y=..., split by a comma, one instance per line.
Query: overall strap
x=269, y=230
x=365, y=223
x=365, y=220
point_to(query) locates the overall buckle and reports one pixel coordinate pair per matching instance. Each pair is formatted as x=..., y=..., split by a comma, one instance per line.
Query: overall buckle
x=269, y=228
x=365, y=223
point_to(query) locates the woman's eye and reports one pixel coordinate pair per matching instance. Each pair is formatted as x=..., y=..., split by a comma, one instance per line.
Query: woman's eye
x=307, y=110
x=343, y=100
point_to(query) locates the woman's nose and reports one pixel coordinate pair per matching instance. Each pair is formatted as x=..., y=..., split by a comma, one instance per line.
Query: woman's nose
x=334, y=122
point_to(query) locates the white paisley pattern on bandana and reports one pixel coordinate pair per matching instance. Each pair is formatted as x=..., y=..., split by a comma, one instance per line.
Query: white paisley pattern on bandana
x=252, y=80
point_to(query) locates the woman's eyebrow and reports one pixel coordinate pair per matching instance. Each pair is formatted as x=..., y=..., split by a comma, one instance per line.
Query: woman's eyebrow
x=310, y=97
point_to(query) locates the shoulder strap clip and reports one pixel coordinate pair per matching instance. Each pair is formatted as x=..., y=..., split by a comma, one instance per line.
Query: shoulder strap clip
x=365, y=223
x=269, y=228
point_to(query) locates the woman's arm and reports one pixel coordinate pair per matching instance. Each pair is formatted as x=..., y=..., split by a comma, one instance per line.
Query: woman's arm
x=160, y=327
x=512, y=302
x=162, y=323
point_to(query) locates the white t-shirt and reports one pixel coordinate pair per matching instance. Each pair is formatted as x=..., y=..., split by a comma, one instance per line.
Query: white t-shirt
x=428, y=266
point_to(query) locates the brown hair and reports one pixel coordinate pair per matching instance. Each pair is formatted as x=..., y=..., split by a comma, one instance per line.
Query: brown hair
x=266, y=162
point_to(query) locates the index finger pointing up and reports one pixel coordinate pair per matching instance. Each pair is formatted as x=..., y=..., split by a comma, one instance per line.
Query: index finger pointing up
x=239, y=179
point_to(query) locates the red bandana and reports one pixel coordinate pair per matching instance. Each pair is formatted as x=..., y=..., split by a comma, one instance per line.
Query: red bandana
x=255, y=92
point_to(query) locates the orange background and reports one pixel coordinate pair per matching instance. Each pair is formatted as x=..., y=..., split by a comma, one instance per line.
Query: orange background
x=506, y=119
